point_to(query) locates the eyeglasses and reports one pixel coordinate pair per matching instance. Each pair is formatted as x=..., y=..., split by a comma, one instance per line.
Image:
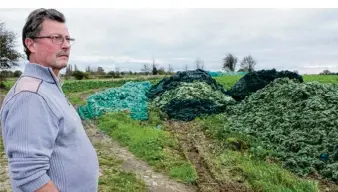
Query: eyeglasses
x=58, y=39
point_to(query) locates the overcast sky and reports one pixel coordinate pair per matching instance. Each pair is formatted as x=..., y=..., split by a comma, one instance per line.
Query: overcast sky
x=286, y=39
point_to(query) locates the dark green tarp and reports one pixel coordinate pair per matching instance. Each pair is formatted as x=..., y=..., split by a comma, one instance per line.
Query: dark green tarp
x=256, y=80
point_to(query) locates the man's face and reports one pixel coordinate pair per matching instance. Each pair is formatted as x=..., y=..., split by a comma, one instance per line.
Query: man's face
x=48, y=53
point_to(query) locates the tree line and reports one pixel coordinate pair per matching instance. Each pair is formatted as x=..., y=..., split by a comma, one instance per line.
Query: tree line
x=99, y=72
x=327, y=72
x=247, y=64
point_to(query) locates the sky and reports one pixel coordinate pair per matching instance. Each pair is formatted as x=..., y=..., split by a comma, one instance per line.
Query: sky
x=305, y=40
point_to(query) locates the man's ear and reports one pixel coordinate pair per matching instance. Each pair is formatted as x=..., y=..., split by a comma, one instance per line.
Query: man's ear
x=30, y=45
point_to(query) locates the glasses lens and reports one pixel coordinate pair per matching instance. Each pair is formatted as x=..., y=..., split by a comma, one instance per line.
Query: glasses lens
x=58, y=39
x=71, y=41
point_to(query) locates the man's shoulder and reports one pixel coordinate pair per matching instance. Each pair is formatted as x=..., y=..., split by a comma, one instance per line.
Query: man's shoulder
x=22, y=85
x=26, y=83
x=32, y=88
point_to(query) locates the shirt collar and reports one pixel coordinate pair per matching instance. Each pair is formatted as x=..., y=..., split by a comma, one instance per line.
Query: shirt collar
x=42, y=72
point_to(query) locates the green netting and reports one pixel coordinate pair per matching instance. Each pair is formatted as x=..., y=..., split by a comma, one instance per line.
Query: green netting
x=130, y=97
x=256, y=80
x=187, y=91
x=184, y=76
x=295, y=122
x=190, y=100
x=189, y=109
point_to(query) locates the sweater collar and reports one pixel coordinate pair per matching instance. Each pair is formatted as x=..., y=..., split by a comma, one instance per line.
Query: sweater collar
x=41, y=72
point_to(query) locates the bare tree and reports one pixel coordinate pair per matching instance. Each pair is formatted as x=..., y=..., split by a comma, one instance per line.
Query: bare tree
x=69, y=71
x=146, y=69
x=75, y=68
x=117, y=72
x=229, y=63
x=248, y=64
x=100, y=71
x=325, y=72
x=161, y=71
x=154, y=68
x=186, y=67
x=88, y=69
x=170, y=68
x=199, y=64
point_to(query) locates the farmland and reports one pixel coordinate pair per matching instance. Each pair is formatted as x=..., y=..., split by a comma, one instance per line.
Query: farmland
x=214, y=152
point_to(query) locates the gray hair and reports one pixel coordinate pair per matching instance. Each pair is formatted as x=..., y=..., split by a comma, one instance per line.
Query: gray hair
x=33, y=23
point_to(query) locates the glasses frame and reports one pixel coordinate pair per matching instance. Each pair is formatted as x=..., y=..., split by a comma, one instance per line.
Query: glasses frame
x=54, y=37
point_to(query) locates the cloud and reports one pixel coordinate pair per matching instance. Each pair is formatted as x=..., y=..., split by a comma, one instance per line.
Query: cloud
x=113, y=59
x=129, y=38
x=320, y=66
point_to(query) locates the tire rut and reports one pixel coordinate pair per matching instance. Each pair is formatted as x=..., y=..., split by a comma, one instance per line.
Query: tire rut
x=197, y=149
x=155, y=182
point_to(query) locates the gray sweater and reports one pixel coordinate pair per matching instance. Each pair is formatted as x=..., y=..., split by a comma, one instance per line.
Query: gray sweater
x=44, y=138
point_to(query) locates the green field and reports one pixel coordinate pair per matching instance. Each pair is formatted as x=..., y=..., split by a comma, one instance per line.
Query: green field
x=160, y=144
x=229, y=81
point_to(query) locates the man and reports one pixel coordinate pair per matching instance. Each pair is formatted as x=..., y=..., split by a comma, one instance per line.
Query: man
x=45, y=142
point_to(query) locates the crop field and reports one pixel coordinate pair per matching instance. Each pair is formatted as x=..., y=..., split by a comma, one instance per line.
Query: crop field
x=279, y=135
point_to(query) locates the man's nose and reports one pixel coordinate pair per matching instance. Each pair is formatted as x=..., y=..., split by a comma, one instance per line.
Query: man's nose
x=65, y=44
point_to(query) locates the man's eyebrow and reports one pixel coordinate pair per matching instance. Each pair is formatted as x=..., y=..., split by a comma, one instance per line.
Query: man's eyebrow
x=58, y=34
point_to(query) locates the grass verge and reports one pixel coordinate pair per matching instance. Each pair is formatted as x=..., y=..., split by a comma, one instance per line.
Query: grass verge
x=76, y=100
x=113, y=179
x=148, y=141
